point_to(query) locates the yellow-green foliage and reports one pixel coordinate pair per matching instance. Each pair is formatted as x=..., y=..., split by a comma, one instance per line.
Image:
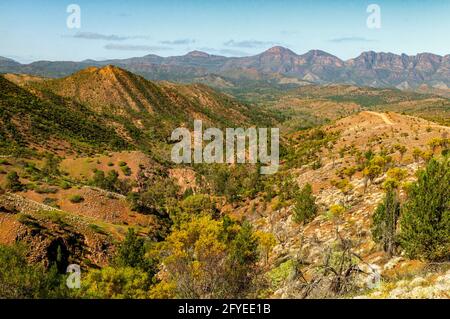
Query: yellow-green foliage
x=197, y=204
x=279, y=274
x=395, y=176
x=206, y=258
x=266, y=243
x=116, y=283
x=335, y=211
x=343, y=185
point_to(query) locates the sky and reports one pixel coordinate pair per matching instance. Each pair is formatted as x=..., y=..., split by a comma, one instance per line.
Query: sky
x=32, y=30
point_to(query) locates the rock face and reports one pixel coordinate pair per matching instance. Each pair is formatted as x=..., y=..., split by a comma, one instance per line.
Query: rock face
x=430, y=286
x=54, y=235
x=402, y=71
x=15, y=203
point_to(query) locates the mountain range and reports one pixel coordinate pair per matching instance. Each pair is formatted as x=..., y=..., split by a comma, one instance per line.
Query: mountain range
x=277, y=65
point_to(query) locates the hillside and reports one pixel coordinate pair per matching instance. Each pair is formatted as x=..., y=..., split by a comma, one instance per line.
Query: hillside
x=30, y=122
x=85, y=178
x=113, y=91
x=310, y=105
x=112, y=108
x=346, y=204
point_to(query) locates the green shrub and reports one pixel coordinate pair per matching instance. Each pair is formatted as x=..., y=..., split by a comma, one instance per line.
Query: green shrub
x=131, y=253
x=156, y=199
x=197, y=204
x=425, y=219
x=216, y=259
x=279, y=274
x=13, y=182
x=305, y=205
x=126, y=170
x=46, y=190
x=20, y=280
x=97, y=229
x=385, y=222
x=76, y=199
x=335, y=211
x=65, y=185
x=115, y=283
x=110, y=182
x=51, y=166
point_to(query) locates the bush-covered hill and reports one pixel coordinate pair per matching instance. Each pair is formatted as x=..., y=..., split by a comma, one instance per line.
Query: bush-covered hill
x=28, y=121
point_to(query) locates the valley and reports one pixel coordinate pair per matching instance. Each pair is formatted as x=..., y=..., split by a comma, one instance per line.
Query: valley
x=86, y=178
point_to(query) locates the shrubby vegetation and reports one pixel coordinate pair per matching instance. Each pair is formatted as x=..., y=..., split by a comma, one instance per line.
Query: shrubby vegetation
x=304, y=148
x=233, y=182
x=385, y=219
x=158, y=197
x=200, y=258
x=131, y=253
x=19, y=279
x=76, y=199
x=13, y=182
x=305, y=207
x=424, y=217
x=51, y=117
x=207, y=258
x=128, y=277
x=116, y=283
x=111, y=182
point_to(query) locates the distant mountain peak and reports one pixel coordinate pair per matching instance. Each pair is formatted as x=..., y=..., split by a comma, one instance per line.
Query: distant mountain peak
x=151, y=55
x=111, y=68
x=318, y=53
x=8, y=62
x=105, y=70
x=321, y=58
x=278, y=50
x=197, y=53
x=6, y=59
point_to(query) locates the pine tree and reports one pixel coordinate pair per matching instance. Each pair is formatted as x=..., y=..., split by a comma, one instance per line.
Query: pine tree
x=305, y=207
x=385, y=222
x=425, y=220
x=132, y=253
x=245, y=246
x=244, y=255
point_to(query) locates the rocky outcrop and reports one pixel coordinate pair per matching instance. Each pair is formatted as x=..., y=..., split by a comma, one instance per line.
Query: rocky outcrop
x=16, y=203
x=54, y=236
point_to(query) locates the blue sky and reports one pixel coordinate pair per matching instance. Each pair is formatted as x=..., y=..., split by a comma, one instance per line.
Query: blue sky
x=37, y=30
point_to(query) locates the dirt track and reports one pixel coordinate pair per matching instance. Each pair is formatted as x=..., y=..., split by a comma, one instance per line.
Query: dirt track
x=383, y=117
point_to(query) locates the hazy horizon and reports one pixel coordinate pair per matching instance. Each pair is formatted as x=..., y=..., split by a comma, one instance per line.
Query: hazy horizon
x=229, y=56
x=112, y=30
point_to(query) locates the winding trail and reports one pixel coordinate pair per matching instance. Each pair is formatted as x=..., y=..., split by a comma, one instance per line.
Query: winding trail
x=382, y=116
